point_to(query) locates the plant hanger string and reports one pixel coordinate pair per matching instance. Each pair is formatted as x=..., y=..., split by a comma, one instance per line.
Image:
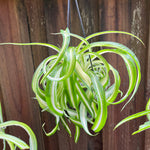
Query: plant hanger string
x=68, y=15
x=81, y=22
x=80, y=18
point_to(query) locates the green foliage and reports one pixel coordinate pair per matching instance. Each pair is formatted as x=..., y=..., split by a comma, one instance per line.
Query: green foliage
x=13, y=141
x=142, y=127
x=68, y=87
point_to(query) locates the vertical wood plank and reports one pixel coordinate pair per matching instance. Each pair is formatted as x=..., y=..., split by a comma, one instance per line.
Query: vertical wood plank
x=139, y=27
x=55, y=14
x=37, y=28
x=16, y=71
x=147, y=133
x=108, y=22
x=56, y=19
x=120, y=15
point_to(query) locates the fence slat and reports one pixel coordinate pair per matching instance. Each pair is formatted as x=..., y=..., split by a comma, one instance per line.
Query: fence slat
x=147, y=133
x=34, y=21
x=16, y=72
x=130, y=16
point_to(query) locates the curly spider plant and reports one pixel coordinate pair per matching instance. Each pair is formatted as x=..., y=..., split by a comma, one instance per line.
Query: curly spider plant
x=13, y=141
x=69, y=88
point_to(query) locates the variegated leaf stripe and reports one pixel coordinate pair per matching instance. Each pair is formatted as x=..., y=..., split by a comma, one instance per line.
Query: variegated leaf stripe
x=116, y=86
x=66, y=41
x=131, y=117
x=142, y=127
x=2, y=129
x=11, y=145
x=84, y=98
x=123, y=49
x=65, y=125
x=148, y=108
x=32, y=139
x=83, y=118
x=70, y=90
x=12, y=140
x=107, y=32
x=53, y=131
x=34, y=44
x=35, y=87
x=134, y=116
x=101, y=100
x=77, y=122
x=81, y=74
x=77, y=133
x=101, y=71
x=70, y=65
x=131, y=68
x=104, y=81
x=51, y=95
x=19, y=143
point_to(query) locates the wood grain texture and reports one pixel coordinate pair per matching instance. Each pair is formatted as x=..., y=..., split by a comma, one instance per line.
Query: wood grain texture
x=111, y=141
x=55, y=14
x=147, y=133
x=37, y=28
x=16, y=71
x=139, y=27
x=34, y=21
x=124, y=15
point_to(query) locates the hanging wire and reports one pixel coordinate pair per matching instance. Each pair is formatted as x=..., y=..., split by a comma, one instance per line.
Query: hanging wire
x=80, y=18
x=81, y=23
x=68, y=15
x=82, y=27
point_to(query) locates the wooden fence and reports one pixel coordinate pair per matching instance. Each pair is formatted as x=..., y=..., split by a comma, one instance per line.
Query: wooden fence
x=34, y=21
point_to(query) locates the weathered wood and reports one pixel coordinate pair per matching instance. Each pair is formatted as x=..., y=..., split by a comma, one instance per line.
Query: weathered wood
x=139, y=27
x=34, y=21
x=109, y=21
x=124, y=15
x=147, y=133
x=37, y=28
x=55, y=14
x=89, y=16
x=16, y=71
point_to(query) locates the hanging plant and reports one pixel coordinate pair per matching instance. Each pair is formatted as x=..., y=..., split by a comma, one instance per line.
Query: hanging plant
x=75, y=85
x=13, y=141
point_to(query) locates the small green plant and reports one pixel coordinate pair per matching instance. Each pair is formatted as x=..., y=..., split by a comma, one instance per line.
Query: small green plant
x=13, y=141
x=142, y=127
x=75, y=84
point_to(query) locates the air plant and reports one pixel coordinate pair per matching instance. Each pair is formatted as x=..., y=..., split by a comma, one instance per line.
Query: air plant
x=75, y=84
x=13, y=141
x=142, y=127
